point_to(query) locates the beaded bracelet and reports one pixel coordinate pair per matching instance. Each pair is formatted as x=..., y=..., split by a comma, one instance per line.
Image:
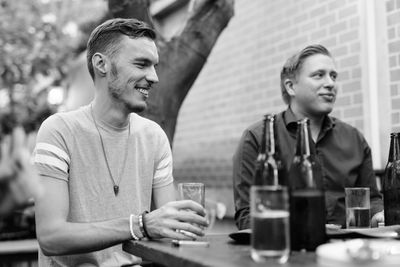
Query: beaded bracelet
x=143, y=225
x=135, y=237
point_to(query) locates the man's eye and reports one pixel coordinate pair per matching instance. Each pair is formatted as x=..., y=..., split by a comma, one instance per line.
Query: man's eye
x=318, y=75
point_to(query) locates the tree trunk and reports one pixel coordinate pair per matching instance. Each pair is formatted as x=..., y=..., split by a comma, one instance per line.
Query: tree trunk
x=181, y=58
x=138, y=9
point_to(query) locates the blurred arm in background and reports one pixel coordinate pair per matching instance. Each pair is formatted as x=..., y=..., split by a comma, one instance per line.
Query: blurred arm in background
x=19, y=182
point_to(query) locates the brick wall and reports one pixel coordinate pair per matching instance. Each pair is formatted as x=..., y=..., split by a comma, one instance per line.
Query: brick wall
x=240, y=81
x=393, y=32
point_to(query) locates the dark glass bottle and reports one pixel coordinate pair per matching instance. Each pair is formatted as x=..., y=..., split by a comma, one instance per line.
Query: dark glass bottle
x=307, y=201
x=260, y=161
x=391, y=183
x=269, y=168
x=272, y=163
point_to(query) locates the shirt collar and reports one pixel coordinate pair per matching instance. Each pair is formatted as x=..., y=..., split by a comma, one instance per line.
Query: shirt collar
x=291, y=121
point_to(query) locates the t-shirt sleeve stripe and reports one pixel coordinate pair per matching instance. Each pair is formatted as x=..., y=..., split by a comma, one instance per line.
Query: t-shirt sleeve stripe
x=53, y=149
x=52, y=161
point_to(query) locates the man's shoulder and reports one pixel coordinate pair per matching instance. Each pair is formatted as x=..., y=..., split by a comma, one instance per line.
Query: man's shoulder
x=255, y=126
x=60, y=120
x=345, y=128
x=341, y=124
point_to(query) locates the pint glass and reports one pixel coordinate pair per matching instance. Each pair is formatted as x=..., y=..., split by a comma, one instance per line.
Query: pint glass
x=270, y=240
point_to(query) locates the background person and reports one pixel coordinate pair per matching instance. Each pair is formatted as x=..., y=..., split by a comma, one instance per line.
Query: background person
x=309, y=88
x=19, y=182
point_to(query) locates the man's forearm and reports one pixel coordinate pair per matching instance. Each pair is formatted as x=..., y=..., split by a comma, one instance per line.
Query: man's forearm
x=72, y=238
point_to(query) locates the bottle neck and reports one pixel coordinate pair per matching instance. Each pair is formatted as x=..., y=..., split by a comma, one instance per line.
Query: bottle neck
x=391, y=147
x=270, y=135
x=302, y=170
x=396, y=149
x=263, y=146
x=260, y=161
x=303, y=138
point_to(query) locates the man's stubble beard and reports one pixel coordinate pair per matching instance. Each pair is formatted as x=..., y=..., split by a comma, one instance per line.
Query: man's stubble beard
x=115, y=91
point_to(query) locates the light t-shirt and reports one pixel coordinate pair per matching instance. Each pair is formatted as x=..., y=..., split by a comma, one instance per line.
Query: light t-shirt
x=69, y=148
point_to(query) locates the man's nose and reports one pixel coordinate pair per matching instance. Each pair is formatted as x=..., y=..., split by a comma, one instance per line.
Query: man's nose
x=151, y=75
x=329, y=82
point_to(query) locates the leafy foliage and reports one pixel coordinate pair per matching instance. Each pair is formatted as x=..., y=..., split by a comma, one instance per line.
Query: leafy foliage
x=35, y=48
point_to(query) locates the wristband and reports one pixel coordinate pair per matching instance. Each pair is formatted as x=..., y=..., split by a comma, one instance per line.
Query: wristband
x=135, y=237
x=141, y=224
x=146, y=234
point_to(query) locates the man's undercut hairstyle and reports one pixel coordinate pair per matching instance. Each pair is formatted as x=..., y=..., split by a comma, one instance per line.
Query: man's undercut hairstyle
x=293, y=66
x=106, y=37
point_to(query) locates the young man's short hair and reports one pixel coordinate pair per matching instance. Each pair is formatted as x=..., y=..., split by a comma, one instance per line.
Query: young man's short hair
x=293, y=65
x=105, y=37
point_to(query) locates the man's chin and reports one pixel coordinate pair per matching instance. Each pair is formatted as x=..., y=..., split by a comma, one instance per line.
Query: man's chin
x=321, y=111
x=325, y=110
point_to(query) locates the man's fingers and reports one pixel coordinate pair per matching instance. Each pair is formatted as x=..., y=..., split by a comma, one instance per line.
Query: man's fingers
x=189, y=204
x=191, y=217
x=377, y=218
x=191, y=230
x=171, y=233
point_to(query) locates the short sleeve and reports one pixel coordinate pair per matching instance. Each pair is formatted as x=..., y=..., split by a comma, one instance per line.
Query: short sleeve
x=163, y=164
x=51, y=156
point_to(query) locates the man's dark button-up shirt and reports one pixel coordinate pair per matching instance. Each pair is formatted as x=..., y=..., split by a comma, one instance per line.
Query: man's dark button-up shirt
x=341, y=151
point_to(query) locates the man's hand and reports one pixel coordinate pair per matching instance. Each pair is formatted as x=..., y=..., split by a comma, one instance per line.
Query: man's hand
x=377, y=218
x=170, y=219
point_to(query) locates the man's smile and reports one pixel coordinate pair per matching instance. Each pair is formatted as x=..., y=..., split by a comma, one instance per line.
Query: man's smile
x=143, y=90
x=328, y=96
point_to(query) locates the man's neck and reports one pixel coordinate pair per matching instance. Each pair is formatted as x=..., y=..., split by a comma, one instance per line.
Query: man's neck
x=107, y=110
x=316, y=121
x=109, y=113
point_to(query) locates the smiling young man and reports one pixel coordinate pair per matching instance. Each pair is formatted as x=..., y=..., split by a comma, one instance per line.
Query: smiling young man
x=308, y=85
x=103, y=165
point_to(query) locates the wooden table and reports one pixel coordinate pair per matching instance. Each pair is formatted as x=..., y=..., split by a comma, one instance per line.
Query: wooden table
x=222, y=252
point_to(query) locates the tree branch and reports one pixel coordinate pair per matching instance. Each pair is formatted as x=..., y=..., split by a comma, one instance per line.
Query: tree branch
x=138, y=9
x=183, y=57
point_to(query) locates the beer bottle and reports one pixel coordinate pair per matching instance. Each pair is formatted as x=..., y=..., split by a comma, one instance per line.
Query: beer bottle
x=391, y=183
x=260, y=161
x=307, y=202
x=272, y=164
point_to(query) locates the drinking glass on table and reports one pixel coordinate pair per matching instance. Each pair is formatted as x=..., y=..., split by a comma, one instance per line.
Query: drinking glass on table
x=357, y=207
x=270, y=238
x=192, y=191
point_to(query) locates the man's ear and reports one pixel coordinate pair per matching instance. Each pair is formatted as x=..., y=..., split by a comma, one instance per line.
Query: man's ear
x=99, y=62
x=289, y=87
